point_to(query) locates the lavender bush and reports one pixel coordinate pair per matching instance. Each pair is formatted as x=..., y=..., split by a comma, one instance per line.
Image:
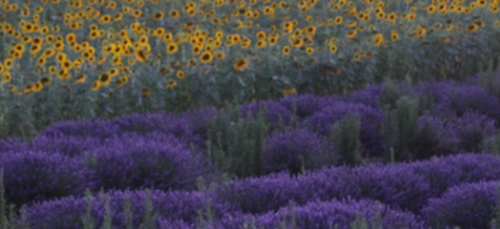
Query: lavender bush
x=467, y=206
x=33, y=176
x=172, y=208
x=332, y=214
x=154, y=160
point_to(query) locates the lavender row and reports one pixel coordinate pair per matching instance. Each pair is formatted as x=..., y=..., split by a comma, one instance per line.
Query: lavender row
x=459, y=190
x=402, y=185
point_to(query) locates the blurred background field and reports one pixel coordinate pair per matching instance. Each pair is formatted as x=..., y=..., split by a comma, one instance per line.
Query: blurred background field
x=80, y=59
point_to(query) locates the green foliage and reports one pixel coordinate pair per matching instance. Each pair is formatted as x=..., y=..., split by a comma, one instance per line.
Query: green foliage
x=127, y=211
x=361, y=223
x=3, y=204
x=389, y=95
x=236, y=144
x=492, y=145
x=487, y=79
x=345, y=137
x=108, y=215
x=495, y=222
x=400, y=127
x=205, y=216
x=87, y=219
x=149, y=217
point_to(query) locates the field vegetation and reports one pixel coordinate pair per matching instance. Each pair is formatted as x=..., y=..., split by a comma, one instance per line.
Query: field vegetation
x=249, y=114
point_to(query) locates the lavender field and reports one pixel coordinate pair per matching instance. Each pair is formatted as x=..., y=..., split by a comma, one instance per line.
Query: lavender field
x=389, y=156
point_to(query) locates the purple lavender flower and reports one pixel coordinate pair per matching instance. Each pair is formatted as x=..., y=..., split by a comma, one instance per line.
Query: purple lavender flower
x=393, y=185
x=100, y=129
x=306, y=104
x=153, y=160
x=472, y=129
x=368, y=96
x=173, y=208
x=444, y=172
x=468, y=206
x=68, y=145
x=160, y=122
x=12, y=145
x=320, y=215
x=464, y=98
x=274, y=112
x=36, y=176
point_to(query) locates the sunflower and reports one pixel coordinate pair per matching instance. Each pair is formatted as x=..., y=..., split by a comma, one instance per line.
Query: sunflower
x=37, y=87
x=6, y=77
x=165, y=71
x=241, y=64
x=41, y=61
x=379, y=39
x=174, y=14
x=309, y=50
x=8, y=63
x=286, y=50
x=145, y=92
x=45, y=80
x=113, y=72
x=472, y=28
x=27, y=89
x=96, y=85
x=141, y=55
x=81, y=78
x=59, y=46
x=351, y=34
x=357, y=57
x=158, y=16
x=67, y=65
x=394, y=35
x=431, y=9
x=70, y=37
x=63, y=74
x=171, y=84
x=261, y=35
x=104, y=79
x=288, y=91
x=180, y=74
x=333, y=48
x=206, y=57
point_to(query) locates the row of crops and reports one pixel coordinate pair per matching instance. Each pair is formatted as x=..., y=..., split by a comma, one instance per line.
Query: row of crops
x=79, y=59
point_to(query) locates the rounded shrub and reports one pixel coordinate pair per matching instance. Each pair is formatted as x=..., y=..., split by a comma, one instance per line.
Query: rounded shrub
x=36, y=176
x=331, y=214
x=154, y=160
x=396, y=186
x=467, y=206
x=472, y=129
x=179, y=208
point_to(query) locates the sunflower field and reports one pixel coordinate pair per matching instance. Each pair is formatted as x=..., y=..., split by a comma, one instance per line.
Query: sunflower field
x=76, y=59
